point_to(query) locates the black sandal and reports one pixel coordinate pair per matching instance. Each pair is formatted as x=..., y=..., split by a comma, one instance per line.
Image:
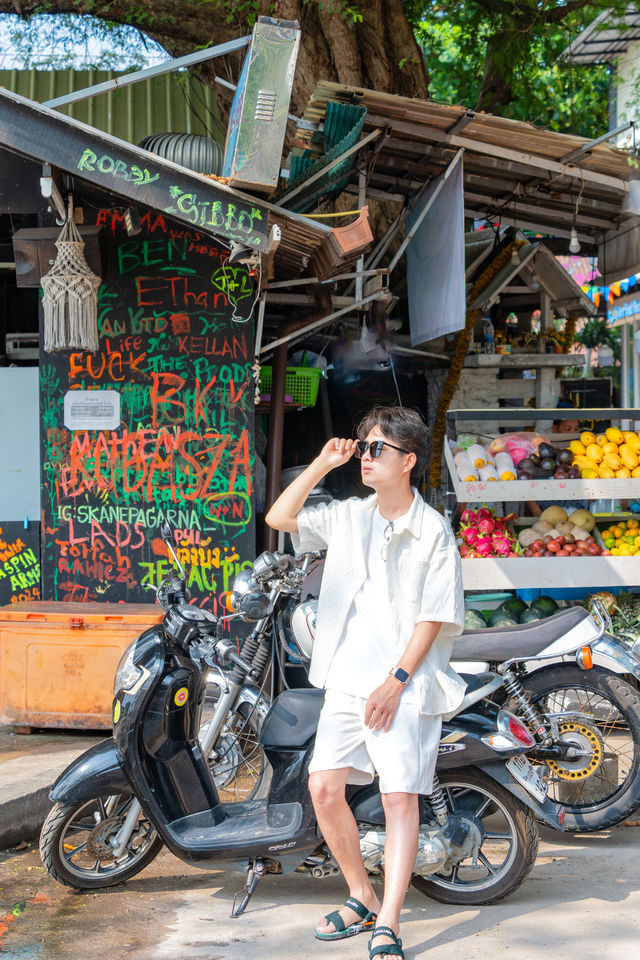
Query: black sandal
x=385, y=949
x=367, y=920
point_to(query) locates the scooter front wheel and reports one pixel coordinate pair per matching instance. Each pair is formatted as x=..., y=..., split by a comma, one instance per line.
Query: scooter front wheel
x=75, y=848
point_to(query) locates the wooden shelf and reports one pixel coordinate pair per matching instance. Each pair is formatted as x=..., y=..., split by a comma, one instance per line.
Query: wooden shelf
x=550, y=573
x=520, y=490
x=523, y=361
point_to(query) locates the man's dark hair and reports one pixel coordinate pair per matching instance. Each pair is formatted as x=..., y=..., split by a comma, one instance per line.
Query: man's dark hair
x=406, y=429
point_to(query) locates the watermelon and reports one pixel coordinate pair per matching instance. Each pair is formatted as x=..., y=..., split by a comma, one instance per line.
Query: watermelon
x=513, y=607
x=500, y=614
x=504, y=621
x=546, y=604
x=531, y=615
x=473, y=620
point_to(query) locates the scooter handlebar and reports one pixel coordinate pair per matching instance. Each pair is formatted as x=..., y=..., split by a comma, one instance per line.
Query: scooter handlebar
x=225, y=653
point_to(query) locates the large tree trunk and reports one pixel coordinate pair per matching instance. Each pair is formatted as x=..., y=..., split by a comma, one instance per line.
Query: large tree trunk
x=380, y=51
x=500, y=61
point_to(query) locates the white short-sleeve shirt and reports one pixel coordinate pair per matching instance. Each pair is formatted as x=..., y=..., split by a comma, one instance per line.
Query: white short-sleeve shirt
x=423, y=579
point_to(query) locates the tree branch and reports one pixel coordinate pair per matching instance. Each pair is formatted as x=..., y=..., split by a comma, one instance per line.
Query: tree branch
x=558, y=14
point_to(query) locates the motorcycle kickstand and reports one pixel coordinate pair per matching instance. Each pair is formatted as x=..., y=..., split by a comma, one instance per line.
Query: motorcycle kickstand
x=255, y=872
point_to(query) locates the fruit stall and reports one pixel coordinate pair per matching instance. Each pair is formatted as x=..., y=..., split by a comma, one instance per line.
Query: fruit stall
x=502, y=551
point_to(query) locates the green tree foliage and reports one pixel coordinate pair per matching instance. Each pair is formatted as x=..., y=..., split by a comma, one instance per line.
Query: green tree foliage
x=503, y=56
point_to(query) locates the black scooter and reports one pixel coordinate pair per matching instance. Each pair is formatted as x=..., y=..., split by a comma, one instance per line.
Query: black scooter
x=478, y=835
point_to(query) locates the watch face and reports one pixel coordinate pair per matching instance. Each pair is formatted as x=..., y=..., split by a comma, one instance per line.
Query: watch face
x=401, y=675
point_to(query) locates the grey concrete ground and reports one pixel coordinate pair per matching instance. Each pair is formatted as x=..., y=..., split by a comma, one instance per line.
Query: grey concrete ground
x=29, y=766
x=581, y=902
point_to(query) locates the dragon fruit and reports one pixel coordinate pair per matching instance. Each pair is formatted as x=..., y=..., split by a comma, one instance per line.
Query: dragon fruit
x=501, y=546
x=481, y=535
x=486, y=526
x=484, y=547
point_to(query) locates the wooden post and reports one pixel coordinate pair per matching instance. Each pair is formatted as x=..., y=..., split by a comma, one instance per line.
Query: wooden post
x=625, y=399
x=546, y=391
x=636, y=366
x=276, y=433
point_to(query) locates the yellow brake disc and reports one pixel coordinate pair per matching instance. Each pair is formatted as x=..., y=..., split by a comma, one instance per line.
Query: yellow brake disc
x=582, y=736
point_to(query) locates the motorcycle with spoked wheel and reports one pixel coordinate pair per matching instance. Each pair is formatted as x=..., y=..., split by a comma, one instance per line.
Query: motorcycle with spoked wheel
x=558, y=678
x=152, y=783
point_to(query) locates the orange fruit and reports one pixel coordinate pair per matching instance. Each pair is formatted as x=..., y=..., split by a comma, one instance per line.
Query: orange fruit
x=605, y=472
x=594, y=452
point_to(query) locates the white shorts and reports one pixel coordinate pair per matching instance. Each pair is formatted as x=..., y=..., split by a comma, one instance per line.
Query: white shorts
x=404, y=757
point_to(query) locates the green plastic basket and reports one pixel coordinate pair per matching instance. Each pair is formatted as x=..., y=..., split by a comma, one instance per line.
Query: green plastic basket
x=301, y=385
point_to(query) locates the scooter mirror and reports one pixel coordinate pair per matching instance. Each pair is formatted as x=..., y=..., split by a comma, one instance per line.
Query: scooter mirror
x=166, y=532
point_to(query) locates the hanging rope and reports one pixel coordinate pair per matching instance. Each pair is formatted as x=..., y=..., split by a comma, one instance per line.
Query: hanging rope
x=457, y=364
x=70, y=294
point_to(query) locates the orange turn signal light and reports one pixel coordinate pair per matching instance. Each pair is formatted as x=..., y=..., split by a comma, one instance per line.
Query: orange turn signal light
x=228, y=602
x=584, y=658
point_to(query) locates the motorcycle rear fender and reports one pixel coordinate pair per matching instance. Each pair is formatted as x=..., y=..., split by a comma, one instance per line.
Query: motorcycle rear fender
x=549, y=812
x=613, y=655
x=96, y=773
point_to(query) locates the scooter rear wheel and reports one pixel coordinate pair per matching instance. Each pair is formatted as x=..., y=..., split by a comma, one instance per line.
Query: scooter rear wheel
x=509, y=841
x=601, y=787
x=74, y=843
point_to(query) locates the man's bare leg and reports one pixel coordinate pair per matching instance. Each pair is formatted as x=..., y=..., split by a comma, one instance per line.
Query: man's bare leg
x=340, y=831
x=402, y=817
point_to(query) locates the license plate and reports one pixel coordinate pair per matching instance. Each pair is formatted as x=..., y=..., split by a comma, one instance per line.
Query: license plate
x=525, y=774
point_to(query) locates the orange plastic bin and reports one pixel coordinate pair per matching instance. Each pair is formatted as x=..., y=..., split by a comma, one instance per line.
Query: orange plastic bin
x=58, y=660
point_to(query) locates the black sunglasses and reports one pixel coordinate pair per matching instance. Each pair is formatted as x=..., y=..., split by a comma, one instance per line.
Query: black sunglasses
x=374, y=447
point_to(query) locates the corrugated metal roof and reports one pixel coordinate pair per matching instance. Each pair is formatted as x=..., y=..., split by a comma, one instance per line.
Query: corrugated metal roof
x=605, y=39
x=172, y=103
x=512, y=169
x=30, y=129
x=343, y=126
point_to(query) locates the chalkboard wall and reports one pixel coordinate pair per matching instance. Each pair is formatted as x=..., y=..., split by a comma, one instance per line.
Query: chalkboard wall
x=19, y=563
x=176, y=346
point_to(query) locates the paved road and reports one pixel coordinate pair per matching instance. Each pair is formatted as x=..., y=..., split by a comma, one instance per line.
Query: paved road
x=582, y=900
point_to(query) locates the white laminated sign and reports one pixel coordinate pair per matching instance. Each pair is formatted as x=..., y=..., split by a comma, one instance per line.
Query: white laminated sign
x=91, y=409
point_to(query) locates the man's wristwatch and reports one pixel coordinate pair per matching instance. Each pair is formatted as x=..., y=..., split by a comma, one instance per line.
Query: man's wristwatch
x=400, y=674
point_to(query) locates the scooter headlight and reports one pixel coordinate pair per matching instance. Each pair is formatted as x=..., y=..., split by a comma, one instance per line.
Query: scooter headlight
x=128, y=672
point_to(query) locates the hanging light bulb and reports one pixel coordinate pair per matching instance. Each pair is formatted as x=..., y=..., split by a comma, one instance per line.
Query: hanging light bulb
x=574, y=243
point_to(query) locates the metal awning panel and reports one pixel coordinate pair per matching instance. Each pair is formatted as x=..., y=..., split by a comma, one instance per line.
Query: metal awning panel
x=31, y=130
x=605, y=39
x=142, y=177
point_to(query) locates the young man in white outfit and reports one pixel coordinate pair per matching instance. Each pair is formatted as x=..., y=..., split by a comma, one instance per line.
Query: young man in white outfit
x=390, y=604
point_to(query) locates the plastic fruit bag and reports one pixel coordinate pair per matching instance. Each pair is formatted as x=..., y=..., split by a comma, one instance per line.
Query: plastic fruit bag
x=517, y=445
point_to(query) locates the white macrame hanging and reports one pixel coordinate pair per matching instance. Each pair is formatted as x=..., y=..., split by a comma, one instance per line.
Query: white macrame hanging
x=70, y=295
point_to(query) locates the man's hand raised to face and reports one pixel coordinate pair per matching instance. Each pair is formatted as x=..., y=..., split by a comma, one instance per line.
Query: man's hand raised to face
x=336, y=452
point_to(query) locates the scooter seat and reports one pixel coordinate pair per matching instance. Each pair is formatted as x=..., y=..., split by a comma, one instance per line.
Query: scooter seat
x=293, y=719
x=526, y=640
